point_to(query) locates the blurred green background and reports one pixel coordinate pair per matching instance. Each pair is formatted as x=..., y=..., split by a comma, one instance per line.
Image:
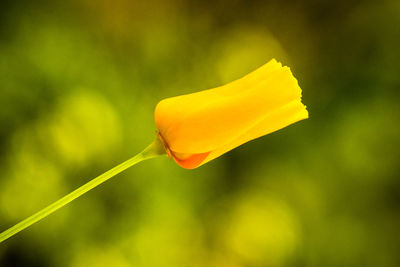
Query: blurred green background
x=79, y=81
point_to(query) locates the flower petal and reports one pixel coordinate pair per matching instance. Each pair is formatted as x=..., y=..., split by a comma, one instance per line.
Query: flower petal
x=200, y=122
x=278, y=119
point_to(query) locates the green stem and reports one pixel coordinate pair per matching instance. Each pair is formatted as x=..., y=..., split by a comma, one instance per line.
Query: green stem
x=153, y=150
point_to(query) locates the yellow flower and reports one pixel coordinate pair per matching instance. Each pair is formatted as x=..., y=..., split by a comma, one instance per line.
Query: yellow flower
x=199, y=127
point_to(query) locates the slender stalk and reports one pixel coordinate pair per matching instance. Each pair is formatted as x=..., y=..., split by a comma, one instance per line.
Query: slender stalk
x=153, y=150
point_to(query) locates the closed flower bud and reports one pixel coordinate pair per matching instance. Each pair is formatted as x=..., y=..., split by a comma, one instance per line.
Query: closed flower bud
x=199, y=127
